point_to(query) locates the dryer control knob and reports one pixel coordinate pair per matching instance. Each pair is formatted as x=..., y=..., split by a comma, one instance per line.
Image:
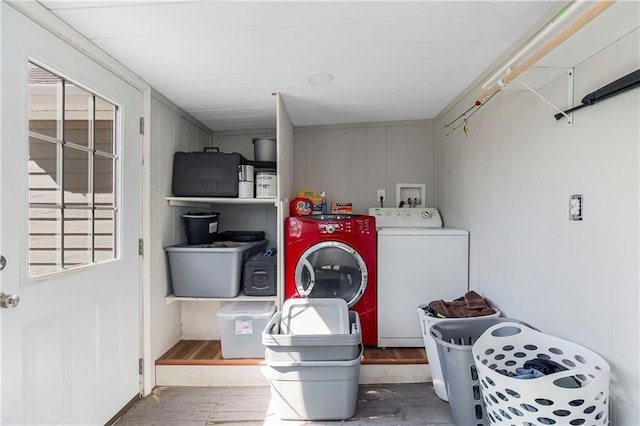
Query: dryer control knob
x=330, y=229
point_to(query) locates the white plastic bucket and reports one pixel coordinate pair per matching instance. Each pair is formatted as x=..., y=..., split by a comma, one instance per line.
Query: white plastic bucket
x=266, y=185
x=245, y=189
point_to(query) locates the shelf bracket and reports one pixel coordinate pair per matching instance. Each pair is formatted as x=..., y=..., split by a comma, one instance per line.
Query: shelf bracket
x=569, y=116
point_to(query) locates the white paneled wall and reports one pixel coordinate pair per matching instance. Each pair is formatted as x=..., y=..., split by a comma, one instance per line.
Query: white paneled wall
x=509, y=184
x=352, y=162
x=245, y=217
x=171, y=131
x=240, y=141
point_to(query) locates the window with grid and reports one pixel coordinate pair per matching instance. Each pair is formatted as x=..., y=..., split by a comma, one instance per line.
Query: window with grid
x=72, y=175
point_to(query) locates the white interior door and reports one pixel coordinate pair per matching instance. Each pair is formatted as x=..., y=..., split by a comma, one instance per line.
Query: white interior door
x=70, y=348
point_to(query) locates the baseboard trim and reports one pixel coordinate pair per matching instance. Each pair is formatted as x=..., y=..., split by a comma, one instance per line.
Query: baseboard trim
x=255, y=375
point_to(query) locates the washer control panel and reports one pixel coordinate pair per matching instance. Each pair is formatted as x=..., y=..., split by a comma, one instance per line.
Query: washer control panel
x=411, y=217
x=331, y=224
x=334, y=227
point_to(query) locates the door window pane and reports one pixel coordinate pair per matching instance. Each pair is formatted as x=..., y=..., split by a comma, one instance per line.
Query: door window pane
x=103, y=181
x=45, y=93
x=105, y=126
x=45, y=241
x=44, y=176
x=78, y=115
x=77, y=179
x=77, y=237
x=72, y=174
x=104, y=235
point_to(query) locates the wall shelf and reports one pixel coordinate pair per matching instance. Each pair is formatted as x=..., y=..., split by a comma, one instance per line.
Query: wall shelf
x=199, y=201
x=171, y=298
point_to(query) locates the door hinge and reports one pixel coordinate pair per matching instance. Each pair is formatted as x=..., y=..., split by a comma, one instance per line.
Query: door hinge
x=141, y=247
x=142, y=125
x=140, y=366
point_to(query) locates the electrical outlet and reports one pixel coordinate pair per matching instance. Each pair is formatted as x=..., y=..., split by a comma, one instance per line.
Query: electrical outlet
x=575, y=207
x=380, y=194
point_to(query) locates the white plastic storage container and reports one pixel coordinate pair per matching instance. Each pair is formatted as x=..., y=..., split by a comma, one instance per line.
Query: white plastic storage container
x=241, y=325
x=311, y=347
x=314, y=390
x=209, y=270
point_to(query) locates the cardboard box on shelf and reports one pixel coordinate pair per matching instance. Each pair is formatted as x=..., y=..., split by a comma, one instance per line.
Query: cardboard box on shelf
x=341, y=208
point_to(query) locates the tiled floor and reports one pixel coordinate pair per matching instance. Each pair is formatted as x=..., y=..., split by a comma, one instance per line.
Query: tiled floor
x=392, y=404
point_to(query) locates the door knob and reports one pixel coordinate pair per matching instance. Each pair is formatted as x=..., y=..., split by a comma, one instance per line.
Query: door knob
x=9, y=300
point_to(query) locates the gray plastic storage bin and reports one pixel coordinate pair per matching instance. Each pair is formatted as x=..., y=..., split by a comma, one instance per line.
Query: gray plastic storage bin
x=314, y=390
x=241, y=325
x=311, y=347
x=313, y=360
x=328, y=315
x=209, y=270
x=455, y=339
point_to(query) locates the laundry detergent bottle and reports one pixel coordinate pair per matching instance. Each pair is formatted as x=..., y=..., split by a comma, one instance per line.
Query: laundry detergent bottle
x=325, y=209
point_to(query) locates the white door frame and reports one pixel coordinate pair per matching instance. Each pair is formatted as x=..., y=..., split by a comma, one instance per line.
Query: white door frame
x=43, y=17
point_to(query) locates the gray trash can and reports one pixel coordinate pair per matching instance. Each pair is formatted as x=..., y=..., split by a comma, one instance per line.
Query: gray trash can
x=454, y=340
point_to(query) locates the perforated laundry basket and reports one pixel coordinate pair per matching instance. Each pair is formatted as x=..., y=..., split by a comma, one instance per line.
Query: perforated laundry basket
x=543, y=400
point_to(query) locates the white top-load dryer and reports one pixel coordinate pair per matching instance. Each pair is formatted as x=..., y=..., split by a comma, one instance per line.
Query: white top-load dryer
x=418, y=261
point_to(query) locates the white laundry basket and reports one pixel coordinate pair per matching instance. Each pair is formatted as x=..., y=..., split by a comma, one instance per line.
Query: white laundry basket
x=543, y=400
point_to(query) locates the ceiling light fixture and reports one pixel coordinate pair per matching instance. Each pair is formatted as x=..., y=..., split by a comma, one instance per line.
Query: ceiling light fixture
x=599, y=7
x=320, y=78
x=543, y=34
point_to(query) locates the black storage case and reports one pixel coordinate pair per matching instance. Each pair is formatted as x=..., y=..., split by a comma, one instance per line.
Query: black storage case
x=259, y=276
x=210, y=173
x=242, y=236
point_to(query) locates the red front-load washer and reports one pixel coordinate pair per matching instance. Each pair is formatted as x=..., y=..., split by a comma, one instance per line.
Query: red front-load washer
x=334, y=256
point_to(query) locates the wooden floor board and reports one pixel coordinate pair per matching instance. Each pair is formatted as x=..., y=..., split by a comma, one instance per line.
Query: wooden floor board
x=209, y=352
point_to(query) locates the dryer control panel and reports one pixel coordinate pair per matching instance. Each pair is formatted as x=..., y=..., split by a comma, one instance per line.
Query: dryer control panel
x=411, y=217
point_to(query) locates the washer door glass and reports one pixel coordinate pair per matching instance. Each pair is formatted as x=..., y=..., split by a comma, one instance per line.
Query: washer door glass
x=331, y=269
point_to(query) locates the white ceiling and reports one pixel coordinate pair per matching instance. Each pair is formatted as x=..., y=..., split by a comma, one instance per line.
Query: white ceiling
x=221, y=61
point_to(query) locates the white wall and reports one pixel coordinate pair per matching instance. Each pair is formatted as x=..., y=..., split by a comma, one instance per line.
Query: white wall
x=351, y=162
x=171, y=130
x=509, y=184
